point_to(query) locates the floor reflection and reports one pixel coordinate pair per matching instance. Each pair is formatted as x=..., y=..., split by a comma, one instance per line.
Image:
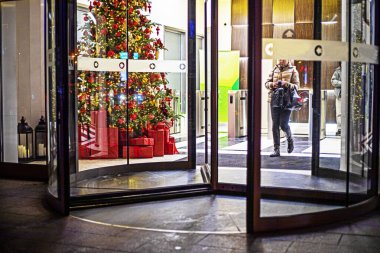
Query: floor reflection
x=196, y=214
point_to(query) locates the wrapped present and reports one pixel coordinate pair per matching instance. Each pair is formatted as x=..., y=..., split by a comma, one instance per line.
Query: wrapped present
x=83, y=152
x=161, y=125
x=113, y=143
x=138, y=152
x=96, y=140
x=141, y=141
x=123, y=137
x=170, y=148
x=159, y=144
x=86, y=138
x=167, y=135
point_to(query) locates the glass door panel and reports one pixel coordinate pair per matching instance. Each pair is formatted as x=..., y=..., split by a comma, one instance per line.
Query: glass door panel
x=320, y=152
x=232, y=92
x=134, y=97
x=302, y=159
x=364, y=54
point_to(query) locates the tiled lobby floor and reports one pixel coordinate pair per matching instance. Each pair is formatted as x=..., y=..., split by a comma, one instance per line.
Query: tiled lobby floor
x=26, y=225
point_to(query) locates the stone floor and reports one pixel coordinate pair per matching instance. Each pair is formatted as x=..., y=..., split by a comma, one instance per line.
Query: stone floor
x=26, y=225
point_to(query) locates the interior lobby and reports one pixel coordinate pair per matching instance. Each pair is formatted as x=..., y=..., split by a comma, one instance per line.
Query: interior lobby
x=195, y=124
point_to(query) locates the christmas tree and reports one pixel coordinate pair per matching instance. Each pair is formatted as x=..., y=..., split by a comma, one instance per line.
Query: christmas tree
x=140, y=100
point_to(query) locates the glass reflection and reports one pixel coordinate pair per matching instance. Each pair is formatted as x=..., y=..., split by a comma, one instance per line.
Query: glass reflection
x=132, y=94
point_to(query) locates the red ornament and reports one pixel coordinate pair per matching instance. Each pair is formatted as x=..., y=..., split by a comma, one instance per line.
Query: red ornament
x=110, y=53
x=158, y=30
x=91, y=79
x=130, y=11
x=115, y=26
x=133, y=116
x=121, y=121
x=131, y=105
x=104, y=31
x=85, y=18
x=118, y=34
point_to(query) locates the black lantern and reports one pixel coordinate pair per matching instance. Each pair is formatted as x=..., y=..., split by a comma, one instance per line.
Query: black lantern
x=25, y=141
x=40, y=139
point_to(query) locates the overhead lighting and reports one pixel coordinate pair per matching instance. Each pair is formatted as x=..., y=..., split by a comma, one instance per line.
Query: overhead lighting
x=329, y=22
x=332, y=21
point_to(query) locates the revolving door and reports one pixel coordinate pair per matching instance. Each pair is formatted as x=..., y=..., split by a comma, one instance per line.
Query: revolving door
x=124, y=108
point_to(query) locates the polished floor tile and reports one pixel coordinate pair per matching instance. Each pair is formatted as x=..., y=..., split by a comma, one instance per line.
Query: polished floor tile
x=45, y=231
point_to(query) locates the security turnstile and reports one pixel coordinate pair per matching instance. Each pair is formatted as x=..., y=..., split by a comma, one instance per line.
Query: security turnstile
x=176, y=128
x=323, y=114
x=201, y=112
x=237, y=113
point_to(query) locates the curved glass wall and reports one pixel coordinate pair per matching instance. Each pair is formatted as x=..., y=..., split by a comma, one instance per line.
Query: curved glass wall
x=137, y=96
x=319, y=155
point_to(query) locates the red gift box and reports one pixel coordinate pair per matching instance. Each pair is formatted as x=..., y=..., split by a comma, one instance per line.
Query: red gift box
x=83, y=152
x=170, y=148
x=161, y=125
x=138, y=152
x=96, y=140
x=159, y=144
x=113, y=143
x=142, y=141
x=166, y=135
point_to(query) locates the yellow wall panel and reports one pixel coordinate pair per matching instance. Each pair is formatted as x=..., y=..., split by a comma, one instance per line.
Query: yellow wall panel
x=283, y=11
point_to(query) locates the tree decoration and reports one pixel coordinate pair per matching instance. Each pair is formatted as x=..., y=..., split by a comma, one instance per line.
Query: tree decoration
x=135, y=101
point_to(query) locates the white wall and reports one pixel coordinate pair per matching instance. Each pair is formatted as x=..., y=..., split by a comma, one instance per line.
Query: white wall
x=9, y=80
x=22, y=68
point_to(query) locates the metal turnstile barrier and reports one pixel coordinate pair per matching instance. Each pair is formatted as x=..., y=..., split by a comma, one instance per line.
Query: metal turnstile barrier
x=176, y=128
x=201, y=112
x=237, y=113
x=323, y=114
